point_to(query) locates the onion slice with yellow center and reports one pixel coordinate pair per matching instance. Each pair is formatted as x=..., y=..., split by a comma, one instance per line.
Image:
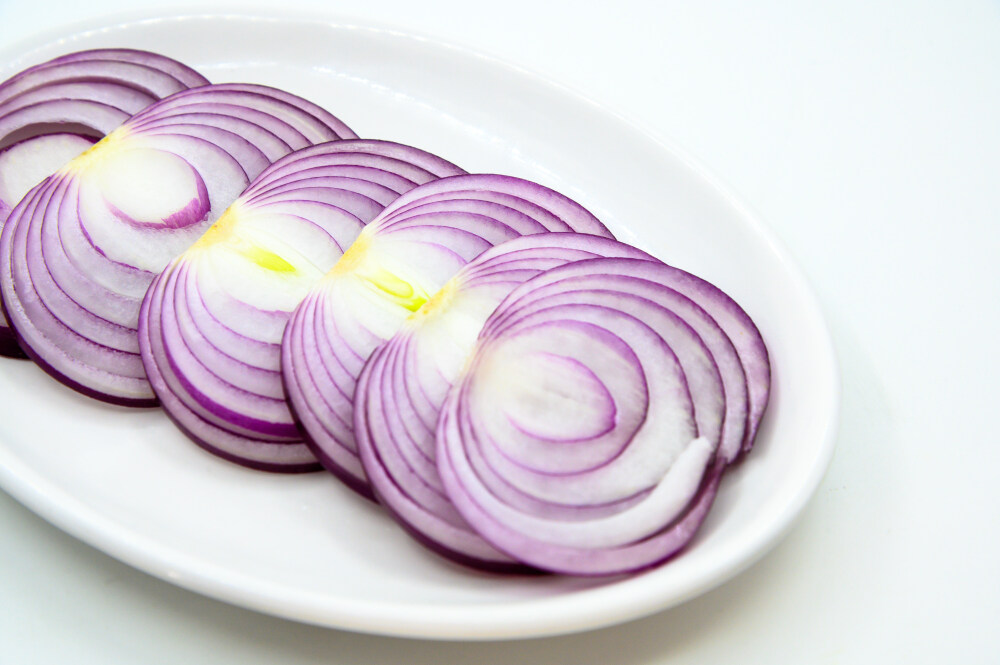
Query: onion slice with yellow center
x=398, y=262
x=80, y=249
x=404, y=384
x=211, y=324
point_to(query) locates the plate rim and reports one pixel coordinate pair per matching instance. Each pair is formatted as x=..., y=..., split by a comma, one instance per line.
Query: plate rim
x=512, y=619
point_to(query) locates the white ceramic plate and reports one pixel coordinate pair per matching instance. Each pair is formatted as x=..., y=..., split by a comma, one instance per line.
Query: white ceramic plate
x=306, y=548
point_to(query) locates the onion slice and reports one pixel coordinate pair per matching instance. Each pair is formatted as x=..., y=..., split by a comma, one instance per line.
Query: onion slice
x=585, y=432
x=404, y=384
x=73, y=272
x=211, y=324
x=397, y=263
x=156, y=74
x=52, y=112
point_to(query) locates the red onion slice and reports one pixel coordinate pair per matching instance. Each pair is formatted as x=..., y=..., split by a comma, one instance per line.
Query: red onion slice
x=9, y=345
x=556, y=463
x=211, y=324
x=115, y=95
x=52, y=112
x=155, y=75
x=397, y=263
x=404, y=384
x=116, y=215
x=74, y=361
x=314, y=123
x=76, y=116
x=244, y=449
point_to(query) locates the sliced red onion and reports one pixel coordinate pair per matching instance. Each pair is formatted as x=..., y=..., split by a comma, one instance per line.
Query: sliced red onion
x=8, y=340
x=404, y=384
x=74, y=271
x=115, y=95
x=267, y=104
x=89, y=92
x=178, y=70
x=397, y=263
x=75, y=116
x=156, y=75
x=732, y=337
x=52, y=112
x=584, y=433
x=211, y=324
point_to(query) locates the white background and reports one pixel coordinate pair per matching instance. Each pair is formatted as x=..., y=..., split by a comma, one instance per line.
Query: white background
x=867, y=135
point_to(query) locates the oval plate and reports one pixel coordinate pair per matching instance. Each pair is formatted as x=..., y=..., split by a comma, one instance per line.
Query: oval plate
x=305, y=548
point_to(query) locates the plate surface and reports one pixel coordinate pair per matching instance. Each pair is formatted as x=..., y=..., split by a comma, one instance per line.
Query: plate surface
x=304, y=547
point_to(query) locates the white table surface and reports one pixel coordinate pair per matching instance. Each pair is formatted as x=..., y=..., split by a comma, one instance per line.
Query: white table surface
x=867, y=135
